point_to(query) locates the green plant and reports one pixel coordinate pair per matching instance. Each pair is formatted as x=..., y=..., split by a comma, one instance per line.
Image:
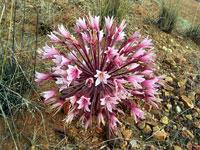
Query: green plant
x=167, y=17
x=117, y=8
x=194, y=33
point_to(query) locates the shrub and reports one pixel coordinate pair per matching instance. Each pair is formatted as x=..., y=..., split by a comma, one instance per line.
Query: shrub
x=194, y=33
x=167, y=18
x=99, y=72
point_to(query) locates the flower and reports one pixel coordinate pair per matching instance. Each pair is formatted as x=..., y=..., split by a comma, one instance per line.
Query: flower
x=41, y=77
x=73, y=73
x=109, y=22
x=49, y=94
x=137, y=113
x=99, y=71
x=108, y=102
x=101, y=77
x=84, y=103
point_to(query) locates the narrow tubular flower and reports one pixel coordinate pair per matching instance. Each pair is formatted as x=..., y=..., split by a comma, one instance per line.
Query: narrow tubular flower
x=99, y=72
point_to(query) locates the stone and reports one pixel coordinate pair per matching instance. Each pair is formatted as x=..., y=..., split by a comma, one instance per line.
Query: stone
x=141, y=125
x=188, y=103
x=133, y=143
x=169, y=79
x=178, y=109
x=164, y=120
x=196, y=124
x=191, y=96
x=187, y=133
x=182, y=83
x=156, y=128
x=147, y=129
x=176, y=147
x=127, y=134
x=151, y=122
x=189, y=117
x=169, y=106
x=195, y=114
x=160, y=135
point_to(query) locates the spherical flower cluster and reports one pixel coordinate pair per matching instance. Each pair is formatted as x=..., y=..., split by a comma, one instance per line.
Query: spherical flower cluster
x=99, y=72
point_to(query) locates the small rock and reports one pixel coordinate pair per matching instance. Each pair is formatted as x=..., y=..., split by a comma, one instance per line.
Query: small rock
x=182, y=83
x=156, y=128
x=147, y=129
x=191, y=96
x=169, y=106
x=189, y=117
x=188, y=103
x=195, y=114
x=133, y=143
x=151, y=122
x=160, y=135
x=187, y=133
x=169, y=79
x=176, y=147
x=196, y=124
x=164, y=120
x=141, y=125
x=127, y=134
x=178, y=109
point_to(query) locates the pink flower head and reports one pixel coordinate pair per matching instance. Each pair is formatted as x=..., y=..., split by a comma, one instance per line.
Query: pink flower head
x=109, y=102
x=62, y=32
x=49, y=94
x=119, y=60
x=152, y=100
x=96, y=72
x=70, y=117
x=100, y=118
x=61, y=60
x=101, y=36
x=84, y=103
x=96, y=22
x=101, y=76
x=57, y=106
x=85, y=37
x=61, y=72
x=136, y=36
x=140, y=52
x=114, y=122
x=137, y=113
x=133, y=66
x=135, y=80
x=54, y=39
x=111, y=52
x=89, y=82
x=120, y=36
x=81, y=23
x=41, y=77
x=151, y=92
x=73, y=73
x=109, y=22
x=147, y=72
x=150, y=83
x=48, y=52
x=122, y=26
x=148, y=57
x=146, y=43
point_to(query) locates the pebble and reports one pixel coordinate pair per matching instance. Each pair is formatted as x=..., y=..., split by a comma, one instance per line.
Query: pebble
x=169, y=106
x=147, y=129
x=195, y=114
x=164, y=120
x=160, y=135
x=176, y=147
x=133, y=143
x=156, y=128
x=141, y=125
x=178, y=109
x=127, y=134
x=188, y=103
x=189, y=117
